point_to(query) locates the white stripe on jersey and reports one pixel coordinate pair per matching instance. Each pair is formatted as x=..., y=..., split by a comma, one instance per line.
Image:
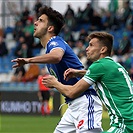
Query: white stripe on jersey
x=107, y=102
x=90, y=113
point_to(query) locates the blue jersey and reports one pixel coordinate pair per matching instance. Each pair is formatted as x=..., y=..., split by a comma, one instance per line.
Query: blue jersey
x=69, y=60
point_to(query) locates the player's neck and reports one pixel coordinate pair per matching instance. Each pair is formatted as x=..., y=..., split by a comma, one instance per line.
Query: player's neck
x=45, y=39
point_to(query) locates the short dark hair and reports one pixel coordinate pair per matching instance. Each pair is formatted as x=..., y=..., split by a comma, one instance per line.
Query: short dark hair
x=105, y=38
x=54, y=17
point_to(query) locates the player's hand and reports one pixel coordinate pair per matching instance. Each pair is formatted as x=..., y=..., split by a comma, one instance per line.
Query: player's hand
x=49, y=81
x=20, y=62
x=70, y=73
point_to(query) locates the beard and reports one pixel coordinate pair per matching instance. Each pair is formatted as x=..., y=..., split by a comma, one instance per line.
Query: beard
x=41, y=33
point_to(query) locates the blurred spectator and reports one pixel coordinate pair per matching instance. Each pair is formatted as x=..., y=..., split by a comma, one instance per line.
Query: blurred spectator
x=19, y=43
x=129, y=22
x=67, y=35
x=43, y=93
x=18, y=74
x=114, y=56
x=3, y=48
x=71, y=44
x=25, y=15
x=124, y=51
x=70, y=21
x=87, y=13
x=112, y=12
x=113, y=6
x=69, y=17
x=78, y=15
x=23, y=51
x=82, y=35
x=17, y=16
x=29, y=39
x=29, y=27
x=86, y=42
x=83, y=59
x=127, y=63
x=124, y=45
x=95, y=21
x=79, y=46
x=109, y=22
x=37, y=44
x=69, y=11
x=127, y=11
x=18, y=30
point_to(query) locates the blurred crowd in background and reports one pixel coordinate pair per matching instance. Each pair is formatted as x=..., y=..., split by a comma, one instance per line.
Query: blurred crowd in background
x=18, y=41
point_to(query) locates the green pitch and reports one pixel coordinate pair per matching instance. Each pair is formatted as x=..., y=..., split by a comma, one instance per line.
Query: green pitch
x=28, y=124
x=33, y=124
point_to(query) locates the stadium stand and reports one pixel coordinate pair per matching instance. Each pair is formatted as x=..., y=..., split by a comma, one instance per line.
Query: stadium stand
x=11, y=42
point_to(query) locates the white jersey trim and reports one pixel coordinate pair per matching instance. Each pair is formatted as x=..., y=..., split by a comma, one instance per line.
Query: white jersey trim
x=88, y=80
x=56, y=48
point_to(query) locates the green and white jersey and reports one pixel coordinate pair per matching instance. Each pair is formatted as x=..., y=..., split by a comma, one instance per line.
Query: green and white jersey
x=114, y=87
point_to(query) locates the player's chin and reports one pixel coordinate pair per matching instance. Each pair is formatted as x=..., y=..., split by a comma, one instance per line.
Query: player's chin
x=34, y=34
x=88, y=57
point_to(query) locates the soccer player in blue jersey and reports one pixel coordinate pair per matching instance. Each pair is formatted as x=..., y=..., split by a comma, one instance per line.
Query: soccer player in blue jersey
x=84, y=113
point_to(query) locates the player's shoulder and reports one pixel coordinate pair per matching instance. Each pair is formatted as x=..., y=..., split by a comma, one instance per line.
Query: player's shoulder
x=55, y=41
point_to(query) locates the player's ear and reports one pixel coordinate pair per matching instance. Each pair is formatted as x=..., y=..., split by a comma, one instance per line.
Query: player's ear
x=104, y=49
x=50, y=28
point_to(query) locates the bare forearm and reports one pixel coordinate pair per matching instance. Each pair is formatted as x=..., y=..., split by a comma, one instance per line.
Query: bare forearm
x=72, y=91
x=43, y=59
x=80, y=73
x=63, y=89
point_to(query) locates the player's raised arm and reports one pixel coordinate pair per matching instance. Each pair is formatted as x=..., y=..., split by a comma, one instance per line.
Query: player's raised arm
x=20, y=62
x=53, y=57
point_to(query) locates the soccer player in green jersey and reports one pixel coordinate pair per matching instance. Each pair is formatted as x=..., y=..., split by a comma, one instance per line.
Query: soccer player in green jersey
x=109, y=78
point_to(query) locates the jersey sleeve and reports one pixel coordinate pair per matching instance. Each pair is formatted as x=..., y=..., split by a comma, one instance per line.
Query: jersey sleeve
x=57, y=44
x=94, y=73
